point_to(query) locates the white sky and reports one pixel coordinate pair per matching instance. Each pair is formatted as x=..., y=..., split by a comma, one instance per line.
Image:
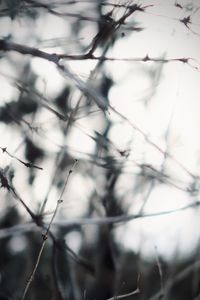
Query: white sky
x=175, y=104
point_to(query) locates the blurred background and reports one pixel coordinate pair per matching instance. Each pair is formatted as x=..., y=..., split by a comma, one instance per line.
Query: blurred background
x=105, y=117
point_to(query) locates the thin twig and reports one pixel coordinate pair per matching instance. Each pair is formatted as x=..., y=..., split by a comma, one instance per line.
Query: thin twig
x=67, y=179
x=26, y=164
x=45, y=237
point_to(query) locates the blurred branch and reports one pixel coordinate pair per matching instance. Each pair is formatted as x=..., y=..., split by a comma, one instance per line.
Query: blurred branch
x=57, y=281
x=17, y=229
x=124, y=296
x=121, y=219
x=160, y=271
x=177, y=278
x=92, y=221
x=137, y=291
x=48, y=8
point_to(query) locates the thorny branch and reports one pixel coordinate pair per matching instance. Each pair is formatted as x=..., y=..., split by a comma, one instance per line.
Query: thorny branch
x=55, y=58
x=86, y=89
x=26, y=164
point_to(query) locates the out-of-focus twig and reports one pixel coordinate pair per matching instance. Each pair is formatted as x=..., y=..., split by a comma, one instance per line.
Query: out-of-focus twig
x=160, y=271
x=124, y=296
x=122, y=218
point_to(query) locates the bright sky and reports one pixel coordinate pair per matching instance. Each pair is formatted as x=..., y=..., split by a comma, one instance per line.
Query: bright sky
x=173, y=108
